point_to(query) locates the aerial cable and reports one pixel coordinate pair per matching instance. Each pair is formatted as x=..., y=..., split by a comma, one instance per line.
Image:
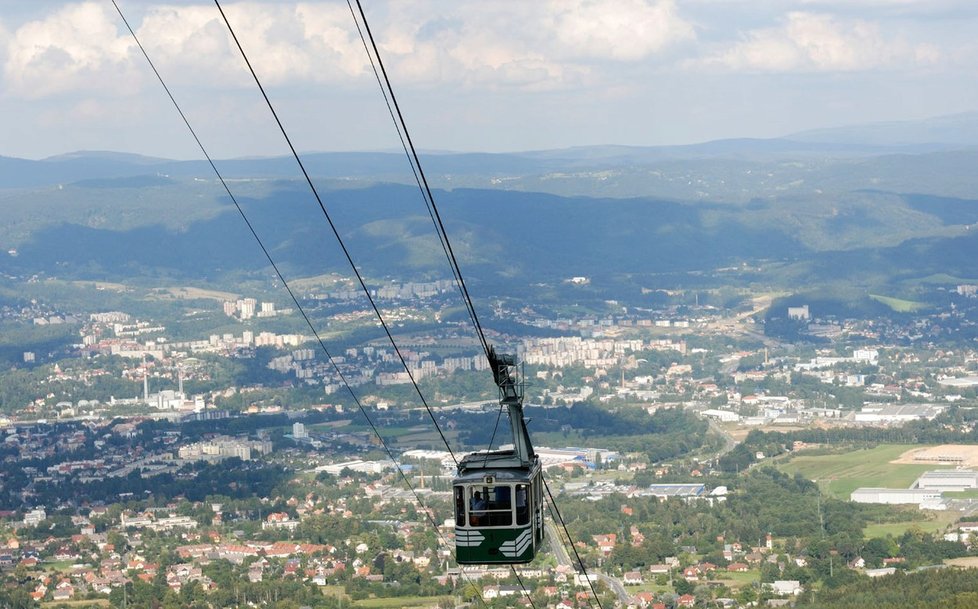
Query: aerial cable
x=295, y=300
x=400, y=126
x=346, y=252
x=520, y=580
x=336, y=233
x=495, y=428
x=424, y=180
x=428, y=201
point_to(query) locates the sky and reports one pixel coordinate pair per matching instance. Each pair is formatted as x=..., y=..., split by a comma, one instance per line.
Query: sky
x=474, y=75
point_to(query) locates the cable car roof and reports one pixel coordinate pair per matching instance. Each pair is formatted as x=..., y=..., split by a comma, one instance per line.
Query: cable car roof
x=507, y=476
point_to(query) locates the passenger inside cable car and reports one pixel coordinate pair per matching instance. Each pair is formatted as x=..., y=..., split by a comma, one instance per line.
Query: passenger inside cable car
x=492, y=506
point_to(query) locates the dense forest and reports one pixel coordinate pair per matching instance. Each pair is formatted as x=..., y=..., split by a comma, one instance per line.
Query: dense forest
x=945, y=588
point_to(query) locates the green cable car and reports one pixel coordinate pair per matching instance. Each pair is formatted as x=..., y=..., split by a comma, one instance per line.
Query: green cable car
x=499, y=494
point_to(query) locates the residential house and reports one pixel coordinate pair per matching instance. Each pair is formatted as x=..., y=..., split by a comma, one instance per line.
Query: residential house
x=786, y=587
x=632, y=578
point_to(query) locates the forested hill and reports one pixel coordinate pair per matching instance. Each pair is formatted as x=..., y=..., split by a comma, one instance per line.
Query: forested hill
x=174, y=229
x=773, y=212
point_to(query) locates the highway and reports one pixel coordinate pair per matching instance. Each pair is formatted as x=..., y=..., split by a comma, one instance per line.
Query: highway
x=560, y=552
x=616, y=586
x=564, y=559
x=728, y=440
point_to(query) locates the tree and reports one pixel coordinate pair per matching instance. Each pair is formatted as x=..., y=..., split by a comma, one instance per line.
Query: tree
x=683, y=586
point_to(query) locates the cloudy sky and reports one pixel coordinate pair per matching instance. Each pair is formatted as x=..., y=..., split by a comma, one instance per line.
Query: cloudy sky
x=475, y=75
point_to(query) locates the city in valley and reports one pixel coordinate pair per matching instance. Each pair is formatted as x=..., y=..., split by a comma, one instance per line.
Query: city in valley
x=696, y=457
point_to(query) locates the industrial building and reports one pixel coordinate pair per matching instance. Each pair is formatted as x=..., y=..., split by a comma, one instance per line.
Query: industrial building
x=947, y=480
x=925, y=499
x=676, y=490
x=724, y=416
x=898, y=413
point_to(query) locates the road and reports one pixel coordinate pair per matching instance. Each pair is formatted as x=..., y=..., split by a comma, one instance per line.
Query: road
x=615, y=585
x=564, y=559
x=560, y=552
x=728, y=440
x=742, y=323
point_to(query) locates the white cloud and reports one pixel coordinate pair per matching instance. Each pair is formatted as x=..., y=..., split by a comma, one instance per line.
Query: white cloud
x=526, y=45
x=84, y=47
x=928, y=6
x=486, y=45
x=496, y=43
x=285, y=43
x=627, y=30
x=69, y=49
x=816, y=42
x=4, y=42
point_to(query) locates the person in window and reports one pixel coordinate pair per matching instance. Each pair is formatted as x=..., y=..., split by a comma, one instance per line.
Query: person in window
x=477, y=510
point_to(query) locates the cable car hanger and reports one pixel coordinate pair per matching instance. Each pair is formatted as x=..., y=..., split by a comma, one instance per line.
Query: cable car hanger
x=498, y=495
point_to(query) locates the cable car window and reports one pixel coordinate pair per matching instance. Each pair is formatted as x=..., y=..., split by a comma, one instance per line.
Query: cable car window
x=459, y=505
x=501, y=499
x=488, y=507
x=522, y=505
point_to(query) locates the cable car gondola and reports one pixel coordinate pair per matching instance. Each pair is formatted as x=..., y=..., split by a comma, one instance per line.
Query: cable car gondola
x=498, y=494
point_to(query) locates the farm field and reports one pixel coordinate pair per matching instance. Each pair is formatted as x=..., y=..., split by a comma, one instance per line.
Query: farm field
x=936, y=522
x=899, y=304
x=402, y=601
x=839, y=474
x=95, y=603
x=739, y=580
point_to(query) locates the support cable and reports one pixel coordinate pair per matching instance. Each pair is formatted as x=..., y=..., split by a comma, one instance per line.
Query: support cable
x=495, y=428
x=349, y=258
x=428, y=201
x=401, y=126
x=336, y=233
x=526, y=593
x=295, y=300
x=424, y=180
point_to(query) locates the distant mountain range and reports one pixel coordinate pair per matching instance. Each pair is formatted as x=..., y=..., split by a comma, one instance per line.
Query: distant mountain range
x=956, y=130
x=877, y=139
x=873, y=203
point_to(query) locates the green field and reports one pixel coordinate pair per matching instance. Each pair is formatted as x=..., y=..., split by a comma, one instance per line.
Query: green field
x=936, y=523
x=650, y=586
x=968, y=494
x=400, y=601
x=840, y=474
x=898, y=304
x=738, y=580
